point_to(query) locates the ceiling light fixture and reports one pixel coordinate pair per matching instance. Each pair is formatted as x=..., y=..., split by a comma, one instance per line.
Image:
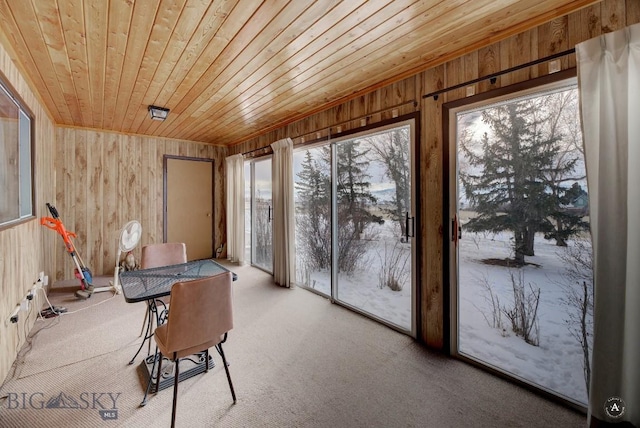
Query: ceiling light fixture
x=158, y=113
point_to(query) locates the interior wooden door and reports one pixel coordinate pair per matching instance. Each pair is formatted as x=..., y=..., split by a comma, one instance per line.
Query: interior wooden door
x=188, y=203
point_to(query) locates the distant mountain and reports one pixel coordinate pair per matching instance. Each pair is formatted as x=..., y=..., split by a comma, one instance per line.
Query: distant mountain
x=384, y=195
x=62, y=401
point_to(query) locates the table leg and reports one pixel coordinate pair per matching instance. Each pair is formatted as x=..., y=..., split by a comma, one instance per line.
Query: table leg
x=157, y=357
x=152, y=313
x=164, y=377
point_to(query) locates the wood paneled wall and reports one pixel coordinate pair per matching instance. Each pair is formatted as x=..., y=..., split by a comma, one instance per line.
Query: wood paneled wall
x=553, y=37
x=105, y=179
x=25, y=248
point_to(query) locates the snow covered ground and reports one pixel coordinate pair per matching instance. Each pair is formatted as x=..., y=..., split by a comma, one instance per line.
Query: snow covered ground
x=361, y=289
x=556, y=364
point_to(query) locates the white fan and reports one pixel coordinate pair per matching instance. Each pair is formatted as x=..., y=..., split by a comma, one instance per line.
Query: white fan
x=129, y=237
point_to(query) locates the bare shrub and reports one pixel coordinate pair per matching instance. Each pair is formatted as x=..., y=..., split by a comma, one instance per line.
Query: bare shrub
x=313, y=240
x=524, y=313
x=303, y=273
x=351, y=249
x=494, y=317
x=578, y=290
x=394, y=271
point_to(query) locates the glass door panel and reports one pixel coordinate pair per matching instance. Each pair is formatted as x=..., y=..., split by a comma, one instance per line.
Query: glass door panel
x=521, y=241
x=247, y=211
x=312, y=187
x=262, y=215
x=374, y=228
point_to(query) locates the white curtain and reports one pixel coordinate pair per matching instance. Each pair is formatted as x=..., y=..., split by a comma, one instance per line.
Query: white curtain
x=235, y=208
x=283, y=214
x=609, y=79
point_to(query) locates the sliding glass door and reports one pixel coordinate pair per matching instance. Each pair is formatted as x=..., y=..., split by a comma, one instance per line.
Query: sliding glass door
x=374, y=228
x=261, y=214
x=312, y=184
x=520, y=241
x=355, y=224
x=248, y=196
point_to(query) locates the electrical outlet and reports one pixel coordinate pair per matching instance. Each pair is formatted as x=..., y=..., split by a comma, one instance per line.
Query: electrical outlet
x=42, y=281
x=24, y=305
x=13, y=318
x=471, y=91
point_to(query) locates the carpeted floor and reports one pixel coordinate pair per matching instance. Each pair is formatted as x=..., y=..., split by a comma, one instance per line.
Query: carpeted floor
x=296, y=361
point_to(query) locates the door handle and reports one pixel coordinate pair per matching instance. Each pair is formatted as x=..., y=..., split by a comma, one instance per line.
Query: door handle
x=269, y=215
x=456, y=230
x=406, y=227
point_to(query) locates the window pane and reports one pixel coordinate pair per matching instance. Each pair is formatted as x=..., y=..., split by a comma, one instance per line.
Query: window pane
x=525, y=285
x=262, y=207
x=373, y=194
x=25, y=166
x=9, y=159
x=312, y=186
x=247, y=212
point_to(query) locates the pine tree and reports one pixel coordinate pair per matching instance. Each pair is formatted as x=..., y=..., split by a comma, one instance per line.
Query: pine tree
x=314, y=214
x=354, y=197
x=561, y=109
x=354, y=203
x=507, y=182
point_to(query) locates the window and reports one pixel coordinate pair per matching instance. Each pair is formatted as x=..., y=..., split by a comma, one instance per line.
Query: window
x=16, y=198
x=521, y=249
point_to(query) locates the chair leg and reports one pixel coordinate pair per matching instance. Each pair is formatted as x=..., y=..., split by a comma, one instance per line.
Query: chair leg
x=226, y=369
x=175, y=389
x=159, y=379
x=206, y=359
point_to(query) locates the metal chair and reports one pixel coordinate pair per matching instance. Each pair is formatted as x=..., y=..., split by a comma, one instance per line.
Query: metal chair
x=201, y=316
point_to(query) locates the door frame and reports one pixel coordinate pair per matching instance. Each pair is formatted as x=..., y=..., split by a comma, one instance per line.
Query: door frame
x=252, y=162
x=165, y=159
x=449, y=209
x=416, y=259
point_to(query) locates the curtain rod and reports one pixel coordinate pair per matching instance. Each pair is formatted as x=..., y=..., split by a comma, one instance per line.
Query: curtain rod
x=267, y=149
x=492, y=77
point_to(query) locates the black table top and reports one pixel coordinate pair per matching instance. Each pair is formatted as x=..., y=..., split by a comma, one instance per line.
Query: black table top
x=147, y=284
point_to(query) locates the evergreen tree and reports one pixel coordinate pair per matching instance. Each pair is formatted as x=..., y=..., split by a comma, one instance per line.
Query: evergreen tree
x=314, y=214
x=561, y=109
x=314, y=207
x=567, y=220
x=507, y=183
x=353, y=182
x=354, y=203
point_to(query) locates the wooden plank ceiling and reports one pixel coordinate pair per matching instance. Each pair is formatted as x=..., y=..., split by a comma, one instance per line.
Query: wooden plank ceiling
x=233, y=69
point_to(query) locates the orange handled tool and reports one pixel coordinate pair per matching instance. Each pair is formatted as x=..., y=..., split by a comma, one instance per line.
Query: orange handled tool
x=82, y=272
